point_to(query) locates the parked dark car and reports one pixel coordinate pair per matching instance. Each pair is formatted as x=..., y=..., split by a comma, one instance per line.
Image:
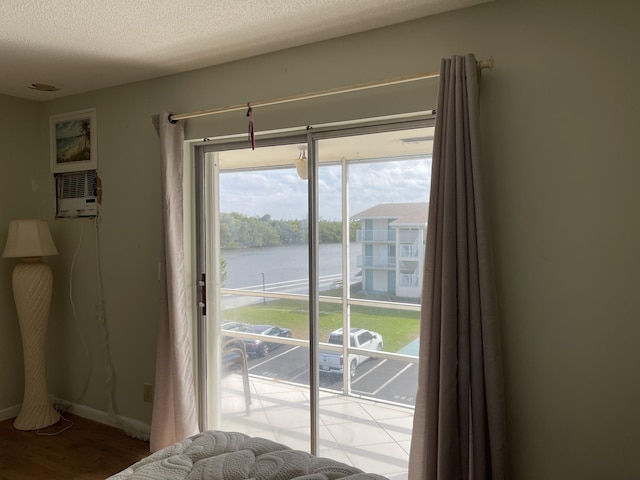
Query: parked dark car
x=234, y=354
x=261, y=346
x=234, y=326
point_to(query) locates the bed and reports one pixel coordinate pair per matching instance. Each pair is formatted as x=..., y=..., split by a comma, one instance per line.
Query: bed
x=218, y=455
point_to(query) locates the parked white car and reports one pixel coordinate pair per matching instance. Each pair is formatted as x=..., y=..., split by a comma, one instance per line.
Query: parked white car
x=333, y=362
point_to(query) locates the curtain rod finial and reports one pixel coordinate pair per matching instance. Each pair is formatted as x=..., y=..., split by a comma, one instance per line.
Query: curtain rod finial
x=489, y=63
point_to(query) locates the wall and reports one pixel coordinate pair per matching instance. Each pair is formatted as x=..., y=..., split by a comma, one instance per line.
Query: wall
x=560, y=133
x=23, y=187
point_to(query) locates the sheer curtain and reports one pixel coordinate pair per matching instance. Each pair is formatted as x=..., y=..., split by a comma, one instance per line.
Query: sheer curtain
x=459, y=422
x=174, y=407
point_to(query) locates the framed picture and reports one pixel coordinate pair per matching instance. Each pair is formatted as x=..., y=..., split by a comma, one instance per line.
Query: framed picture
x=73, y=141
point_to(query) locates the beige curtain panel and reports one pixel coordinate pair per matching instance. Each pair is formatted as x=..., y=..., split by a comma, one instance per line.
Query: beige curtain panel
x=174, y=407
x=459, y=422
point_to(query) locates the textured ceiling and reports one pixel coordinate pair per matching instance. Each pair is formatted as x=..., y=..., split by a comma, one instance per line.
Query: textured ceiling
x=85, y=45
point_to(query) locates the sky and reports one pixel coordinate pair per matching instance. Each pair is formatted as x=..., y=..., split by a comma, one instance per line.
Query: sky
x=283, y=195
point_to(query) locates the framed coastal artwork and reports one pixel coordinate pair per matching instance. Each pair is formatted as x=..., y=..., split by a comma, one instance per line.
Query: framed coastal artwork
x=73, y=141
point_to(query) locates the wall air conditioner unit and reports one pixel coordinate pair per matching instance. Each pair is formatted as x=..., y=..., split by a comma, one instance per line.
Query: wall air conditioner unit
x=77, y=194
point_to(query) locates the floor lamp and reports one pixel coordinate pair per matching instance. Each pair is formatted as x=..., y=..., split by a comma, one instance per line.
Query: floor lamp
x=32, y=283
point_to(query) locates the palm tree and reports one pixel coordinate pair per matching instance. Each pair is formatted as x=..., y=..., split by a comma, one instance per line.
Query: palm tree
x=85, y=131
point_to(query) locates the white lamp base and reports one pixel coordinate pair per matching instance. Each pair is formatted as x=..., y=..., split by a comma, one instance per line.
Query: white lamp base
x=32, y=285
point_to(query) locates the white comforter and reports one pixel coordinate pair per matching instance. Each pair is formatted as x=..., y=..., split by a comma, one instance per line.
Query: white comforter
x=216, y=455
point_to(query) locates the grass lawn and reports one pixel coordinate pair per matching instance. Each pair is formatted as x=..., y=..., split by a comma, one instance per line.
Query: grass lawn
x=397, y=327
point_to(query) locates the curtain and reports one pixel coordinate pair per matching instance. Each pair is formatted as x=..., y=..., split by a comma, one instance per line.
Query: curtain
x=459, y=422
x=174, y=408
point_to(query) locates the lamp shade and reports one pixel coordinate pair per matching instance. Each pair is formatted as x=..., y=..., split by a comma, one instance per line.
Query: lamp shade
x=29, y=238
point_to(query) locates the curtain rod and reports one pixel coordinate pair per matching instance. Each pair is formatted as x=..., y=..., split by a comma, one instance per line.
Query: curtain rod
x=482, y=64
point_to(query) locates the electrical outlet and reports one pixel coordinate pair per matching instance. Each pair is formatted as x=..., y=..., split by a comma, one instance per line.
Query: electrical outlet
x=147, y=394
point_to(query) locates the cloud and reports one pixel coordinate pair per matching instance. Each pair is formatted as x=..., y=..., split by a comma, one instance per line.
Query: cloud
x=283, y=195
x=279, y=193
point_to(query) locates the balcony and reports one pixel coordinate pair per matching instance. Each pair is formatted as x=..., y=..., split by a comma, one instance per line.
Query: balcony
x=412, y=235
x=369, y=435
x=376, y=236
x=376, y=262
x=409, y=280
x=411, y=251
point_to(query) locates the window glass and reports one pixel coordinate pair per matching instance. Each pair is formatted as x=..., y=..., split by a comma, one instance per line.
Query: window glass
x=373, y=189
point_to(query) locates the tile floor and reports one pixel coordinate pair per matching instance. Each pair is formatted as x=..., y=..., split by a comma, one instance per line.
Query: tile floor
x=369, y=435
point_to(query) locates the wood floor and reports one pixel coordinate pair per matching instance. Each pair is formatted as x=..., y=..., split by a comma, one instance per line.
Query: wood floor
x=86, y=451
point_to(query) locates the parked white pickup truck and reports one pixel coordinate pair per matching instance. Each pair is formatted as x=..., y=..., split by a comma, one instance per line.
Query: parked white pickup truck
x=333, y=362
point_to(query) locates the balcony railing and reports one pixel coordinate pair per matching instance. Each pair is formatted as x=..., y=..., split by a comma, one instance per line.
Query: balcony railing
x=409, y=280
x=411, y=235
x=410, y=251
x=376, y=262
x=376, y=235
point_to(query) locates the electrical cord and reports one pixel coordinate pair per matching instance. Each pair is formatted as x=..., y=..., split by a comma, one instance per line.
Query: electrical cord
x=75, y=319
x=102, y=323
x=58, y=432
x=114, y=417
x=60, y=405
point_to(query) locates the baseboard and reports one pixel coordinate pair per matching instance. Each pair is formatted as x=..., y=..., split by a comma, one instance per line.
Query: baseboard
x=131, y=427
x=10, y=412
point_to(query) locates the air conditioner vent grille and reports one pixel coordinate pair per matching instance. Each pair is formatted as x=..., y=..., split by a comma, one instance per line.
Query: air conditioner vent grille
x=78, y=185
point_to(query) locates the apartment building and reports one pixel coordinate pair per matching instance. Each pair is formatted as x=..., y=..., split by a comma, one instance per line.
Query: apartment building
x=393, y=237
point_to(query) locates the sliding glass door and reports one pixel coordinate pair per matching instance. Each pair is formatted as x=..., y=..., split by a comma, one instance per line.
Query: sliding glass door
x=313, y=248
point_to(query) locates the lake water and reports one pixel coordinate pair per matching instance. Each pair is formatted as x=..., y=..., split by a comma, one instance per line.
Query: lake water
x=286, y=263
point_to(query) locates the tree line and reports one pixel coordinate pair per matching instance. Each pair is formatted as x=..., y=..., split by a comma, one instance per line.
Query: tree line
x=240, y=231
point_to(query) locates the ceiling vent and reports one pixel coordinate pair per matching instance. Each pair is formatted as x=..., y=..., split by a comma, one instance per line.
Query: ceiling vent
x=77, y=194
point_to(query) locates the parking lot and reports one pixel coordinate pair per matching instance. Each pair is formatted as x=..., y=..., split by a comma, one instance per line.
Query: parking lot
x=381, y=379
